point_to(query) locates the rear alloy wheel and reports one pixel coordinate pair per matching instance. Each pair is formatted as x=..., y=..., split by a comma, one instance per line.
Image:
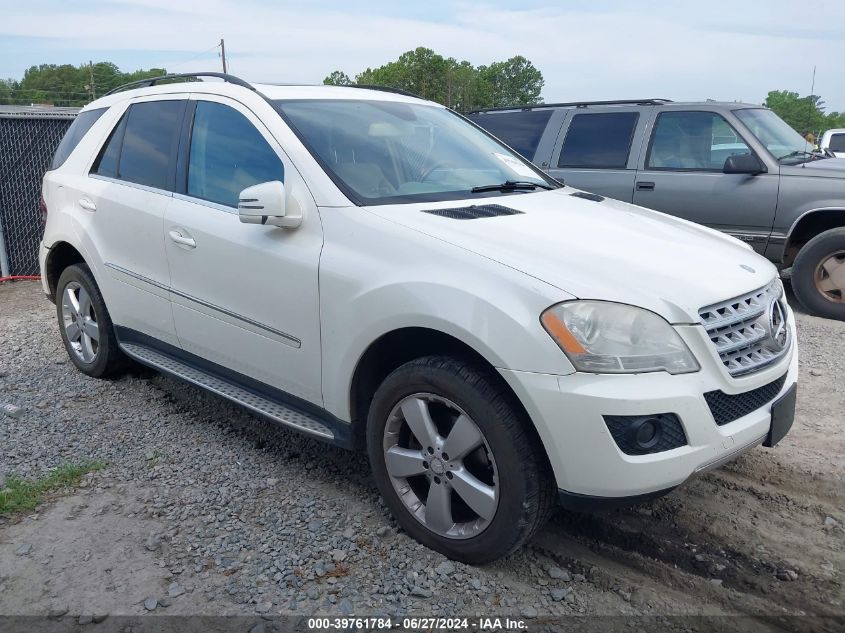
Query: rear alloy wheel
x=459, y=465
x=818, y=275
x=85, y=324
x=80, y=322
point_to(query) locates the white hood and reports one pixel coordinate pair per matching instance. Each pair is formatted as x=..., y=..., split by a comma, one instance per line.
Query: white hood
x=608, y=250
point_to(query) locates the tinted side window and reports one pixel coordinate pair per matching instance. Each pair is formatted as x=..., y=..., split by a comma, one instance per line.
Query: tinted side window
x=79, y=128
x=520, y=130
x=148, y=154
x=227, y=155
x=106, y=163
x=601, y=140
x=837, y=143
x=693, y=141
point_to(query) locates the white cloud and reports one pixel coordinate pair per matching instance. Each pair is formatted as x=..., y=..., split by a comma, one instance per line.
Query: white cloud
x=586, y=50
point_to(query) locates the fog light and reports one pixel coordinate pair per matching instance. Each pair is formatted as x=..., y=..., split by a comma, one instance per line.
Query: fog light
x=645, y=434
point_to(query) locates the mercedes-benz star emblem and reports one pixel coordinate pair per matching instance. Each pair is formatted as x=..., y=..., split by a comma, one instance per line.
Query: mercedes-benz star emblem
x=777, y=323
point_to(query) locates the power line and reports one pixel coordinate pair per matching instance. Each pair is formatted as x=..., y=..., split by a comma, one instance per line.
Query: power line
x=49, y=91
x=196, y=57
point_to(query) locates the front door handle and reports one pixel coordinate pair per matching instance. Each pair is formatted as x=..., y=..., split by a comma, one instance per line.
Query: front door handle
x=86, y=204
x=183, y=240
x=645, y=186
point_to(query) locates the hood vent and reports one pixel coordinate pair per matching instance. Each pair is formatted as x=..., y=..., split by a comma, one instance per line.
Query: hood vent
x=474, y=212
x=587, y=196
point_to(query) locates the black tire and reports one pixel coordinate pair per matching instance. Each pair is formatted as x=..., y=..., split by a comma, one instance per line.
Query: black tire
x=108, y=359
x=526, y=486
x=804, y=270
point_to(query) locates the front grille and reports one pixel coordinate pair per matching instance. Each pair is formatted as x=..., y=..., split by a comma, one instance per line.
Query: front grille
x=743, y=330
x=727, y=408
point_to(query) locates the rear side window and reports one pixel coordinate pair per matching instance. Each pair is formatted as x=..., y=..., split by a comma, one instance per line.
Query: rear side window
x=74, y=134
x=837, y=143
x=148, y=154
x=106, y=163
x=521, y=130
x=142, y=147
x=228, y=154
x=599, y=141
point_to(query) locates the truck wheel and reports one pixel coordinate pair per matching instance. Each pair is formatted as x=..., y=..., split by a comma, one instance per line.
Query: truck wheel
x=818, y=275
x=456, y=462
x=85, y=324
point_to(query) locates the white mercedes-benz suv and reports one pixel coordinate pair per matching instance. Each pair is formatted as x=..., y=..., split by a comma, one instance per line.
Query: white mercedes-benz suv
x=375, y=271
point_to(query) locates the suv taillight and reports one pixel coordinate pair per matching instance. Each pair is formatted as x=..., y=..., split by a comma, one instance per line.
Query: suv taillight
x=42, y=207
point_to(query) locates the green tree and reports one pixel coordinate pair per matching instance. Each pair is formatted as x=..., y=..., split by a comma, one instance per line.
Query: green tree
x=68, y=85
x=512, y=82
x=804, y=114
x=465, y=89
x=7, y=87
x=456, y=84
x=337, y=78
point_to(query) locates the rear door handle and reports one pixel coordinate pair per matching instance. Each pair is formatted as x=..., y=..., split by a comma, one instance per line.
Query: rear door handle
x=177, y=237
x=645, y=186
x=86, y=204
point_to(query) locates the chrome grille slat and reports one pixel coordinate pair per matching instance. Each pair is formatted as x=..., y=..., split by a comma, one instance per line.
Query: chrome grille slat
x=735, y=319
x=725, y=346
x=739, y=330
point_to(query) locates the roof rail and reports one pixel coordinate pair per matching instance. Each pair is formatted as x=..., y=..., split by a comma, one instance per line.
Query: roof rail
x=143, y=83
x=397, y=91
x=574, y=104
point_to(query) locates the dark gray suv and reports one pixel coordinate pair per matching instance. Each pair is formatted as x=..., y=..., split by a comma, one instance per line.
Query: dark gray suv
x=731, y=166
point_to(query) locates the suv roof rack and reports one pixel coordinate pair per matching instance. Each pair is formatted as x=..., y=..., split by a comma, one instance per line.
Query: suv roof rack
x=151, y=81
x=574, y=104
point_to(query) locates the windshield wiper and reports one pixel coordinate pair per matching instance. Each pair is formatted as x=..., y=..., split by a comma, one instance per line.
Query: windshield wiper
x=511, y=185
x=801, y=152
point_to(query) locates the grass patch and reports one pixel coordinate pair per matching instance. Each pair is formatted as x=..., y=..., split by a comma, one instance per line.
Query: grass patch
x=22, y=494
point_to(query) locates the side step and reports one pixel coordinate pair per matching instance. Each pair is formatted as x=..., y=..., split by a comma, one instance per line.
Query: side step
x=261, y=405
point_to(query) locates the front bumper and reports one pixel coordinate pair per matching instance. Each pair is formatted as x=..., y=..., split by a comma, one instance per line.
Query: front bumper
x=568, y=413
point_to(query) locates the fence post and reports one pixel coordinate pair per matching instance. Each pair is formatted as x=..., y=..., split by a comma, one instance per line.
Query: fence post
x=4, y=261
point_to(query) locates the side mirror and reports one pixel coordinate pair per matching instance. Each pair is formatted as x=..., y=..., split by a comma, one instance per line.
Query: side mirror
x=743, y=164
x=265, y=203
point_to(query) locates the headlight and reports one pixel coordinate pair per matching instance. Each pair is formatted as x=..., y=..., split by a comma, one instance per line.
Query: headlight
x=605, y=338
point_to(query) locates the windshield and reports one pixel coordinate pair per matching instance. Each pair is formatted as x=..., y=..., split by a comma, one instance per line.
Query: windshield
x=784, y=143
x=384, y=152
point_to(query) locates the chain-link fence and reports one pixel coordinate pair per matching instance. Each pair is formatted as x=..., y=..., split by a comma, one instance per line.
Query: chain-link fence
x=28, y=138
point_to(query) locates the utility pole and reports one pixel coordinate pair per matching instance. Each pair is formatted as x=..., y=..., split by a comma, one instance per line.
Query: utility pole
x=91, y=79
x=223, y=53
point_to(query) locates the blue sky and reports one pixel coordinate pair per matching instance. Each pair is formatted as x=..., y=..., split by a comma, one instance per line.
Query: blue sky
x=585, y=49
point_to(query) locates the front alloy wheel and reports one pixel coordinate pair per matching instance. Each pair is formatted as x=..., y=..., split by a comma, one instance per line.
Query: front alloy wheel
x=441, y=466
x=457, y=460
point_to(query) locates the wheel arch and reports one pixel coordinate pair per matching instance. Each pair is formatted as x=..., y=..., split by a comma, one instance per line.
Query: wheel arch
x=806, y=227
x=62, y=254
x=399, y=346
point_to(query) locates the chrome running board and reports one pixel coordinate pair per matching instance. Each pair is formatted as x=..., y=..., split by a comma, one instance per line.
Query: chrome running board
x=276, y=411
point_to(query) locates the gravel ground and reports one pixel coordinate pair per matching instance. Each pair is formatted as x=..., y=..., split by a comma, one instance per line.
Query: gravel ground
x=204, y=509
